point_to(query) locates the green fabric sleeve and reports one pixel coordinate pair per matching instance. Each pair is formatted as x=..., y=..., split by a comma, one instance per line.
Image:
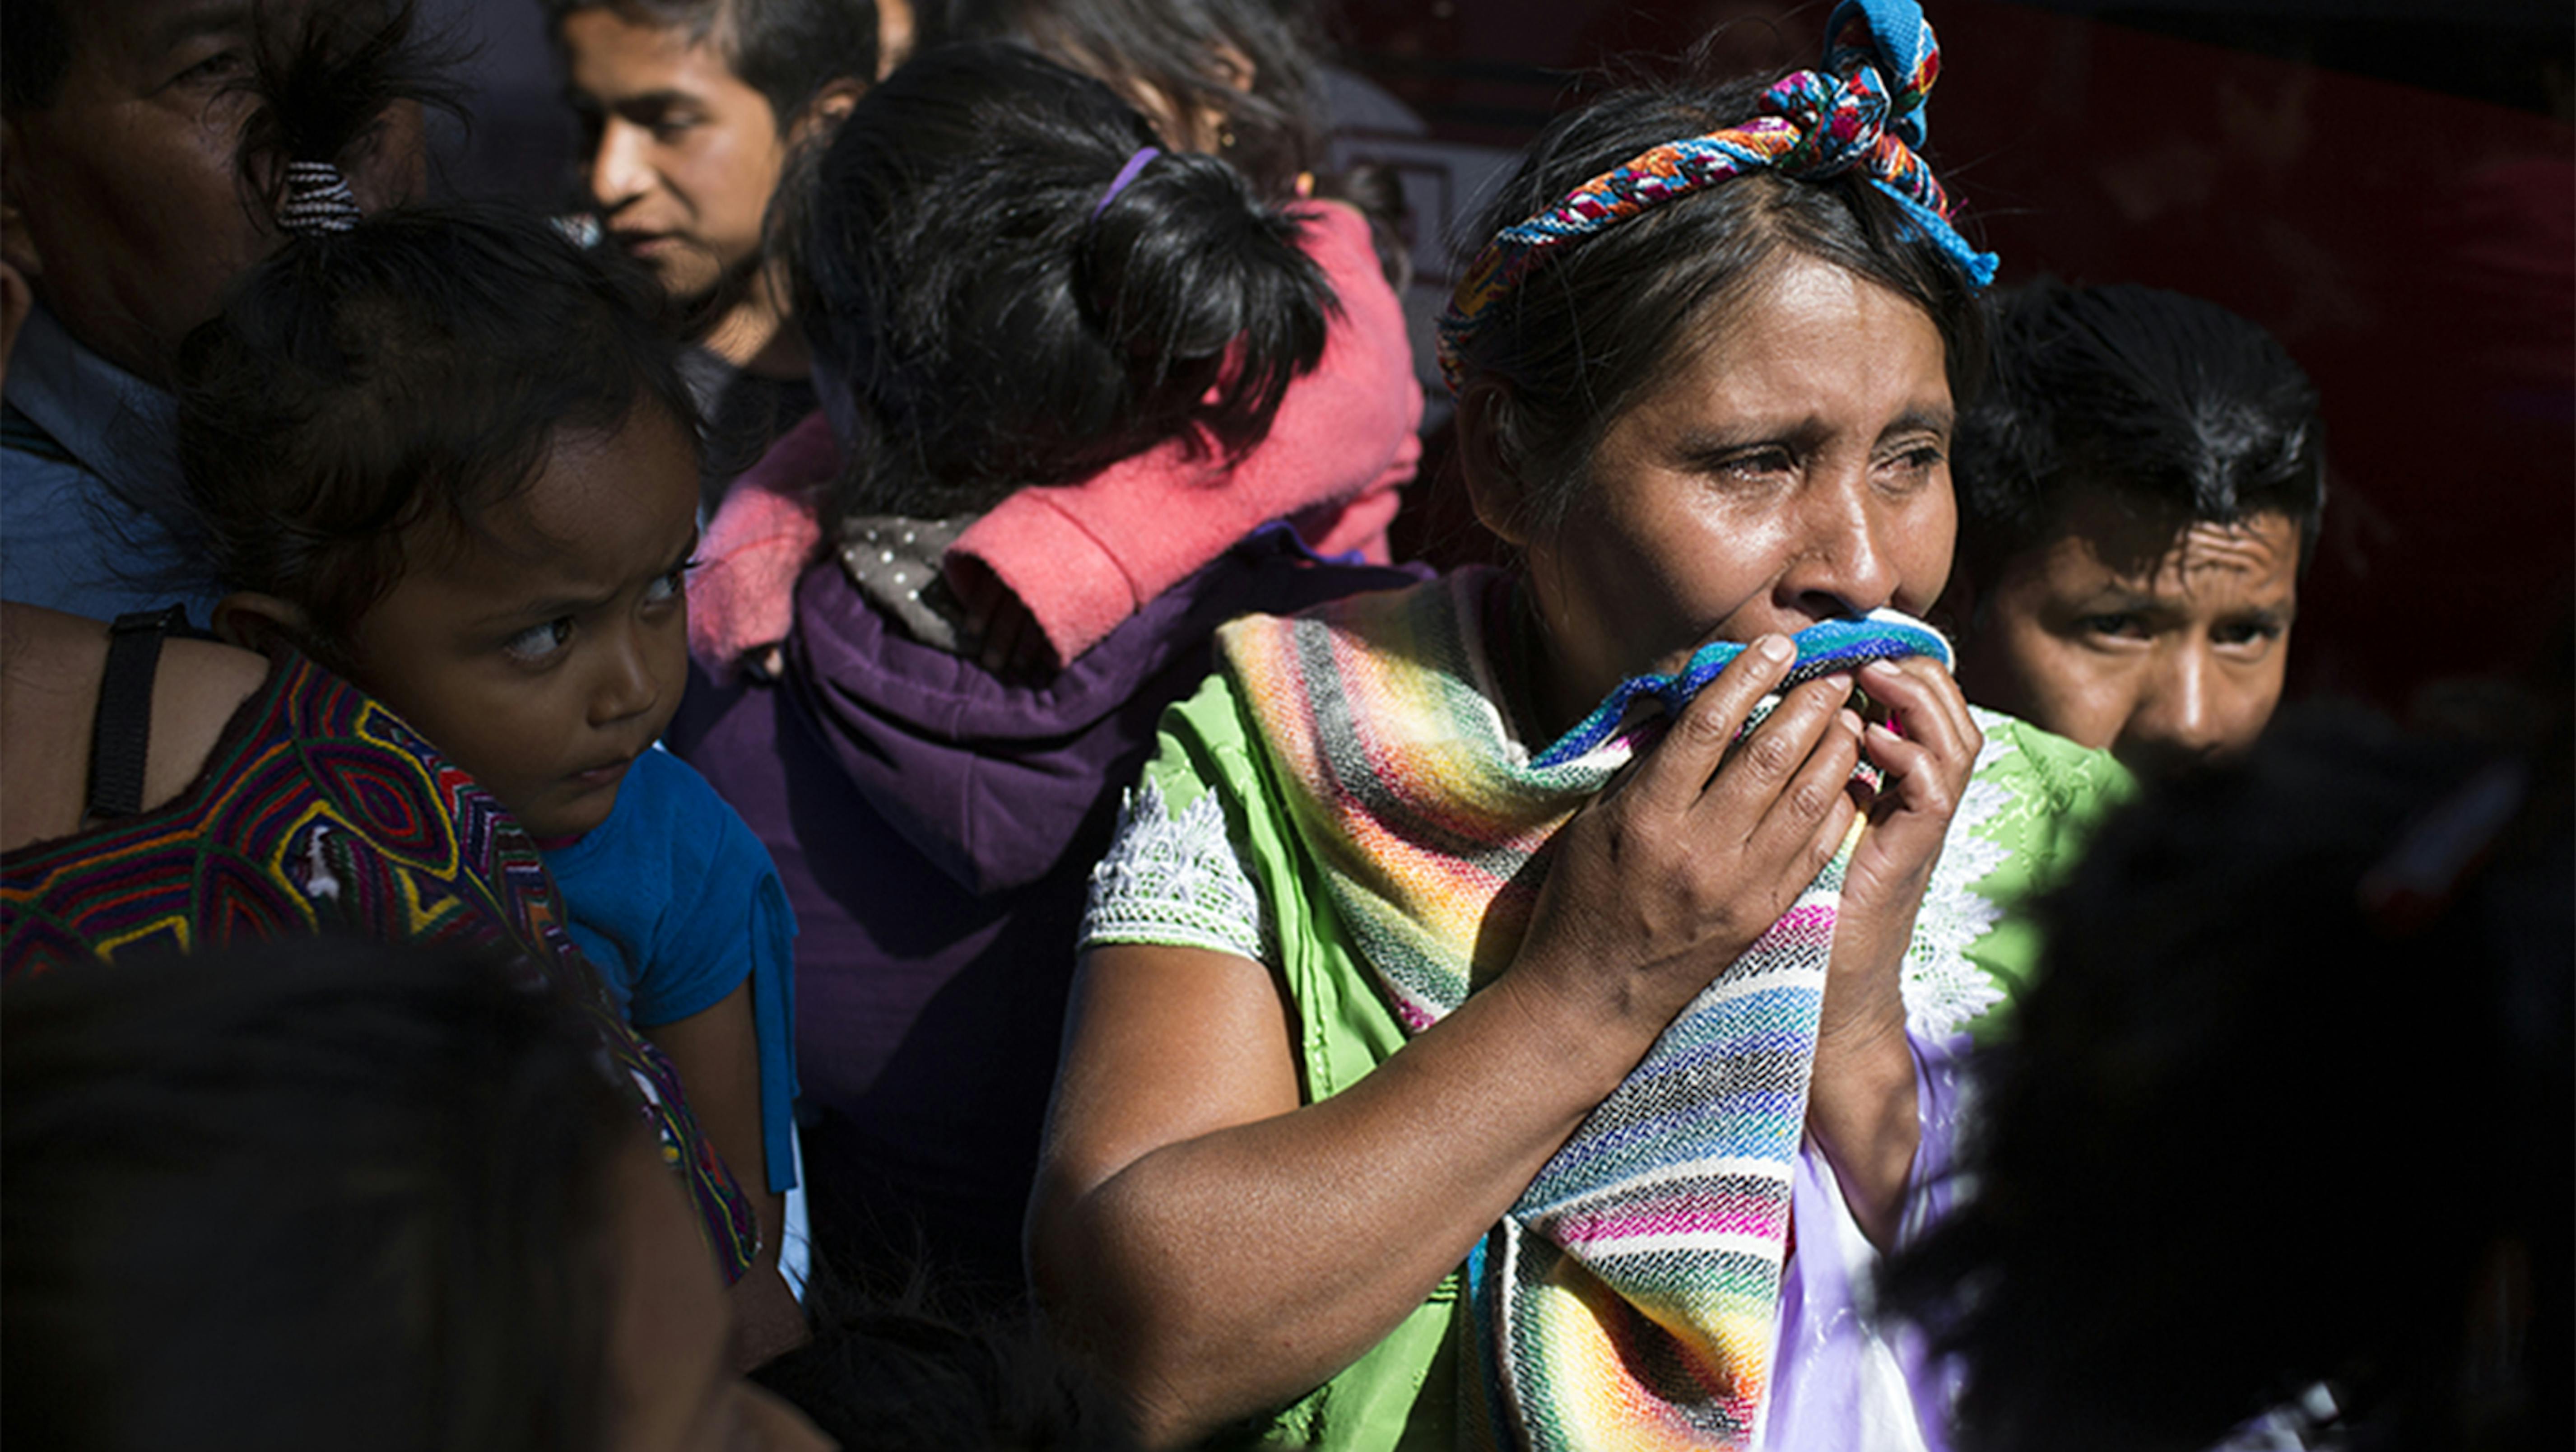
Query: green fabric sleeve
x=2059, y=793
x=1402, y=1394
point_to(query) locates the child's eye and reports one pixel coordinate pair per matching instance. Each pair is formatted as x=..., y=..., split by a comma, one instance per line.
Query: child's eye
x=671, y=586
x=539, y=642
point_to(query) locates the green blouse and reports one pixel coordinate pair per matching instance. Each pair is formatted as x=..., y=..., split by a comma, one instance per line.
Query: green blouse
x=1207, y=857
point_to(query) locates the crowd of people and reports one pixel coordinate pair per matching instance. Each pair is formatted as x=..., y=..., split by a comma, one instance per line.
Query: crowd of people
x=993, y=911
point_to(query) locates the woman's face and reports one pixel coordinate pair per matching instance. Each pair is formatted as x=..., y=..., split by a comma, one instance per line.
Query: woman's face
x=1792, y=465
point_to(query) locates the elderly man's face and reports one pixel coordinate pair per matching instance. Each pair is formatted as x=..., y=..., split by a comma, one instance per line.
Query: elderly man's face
x=124, y=208
x=2160, y=639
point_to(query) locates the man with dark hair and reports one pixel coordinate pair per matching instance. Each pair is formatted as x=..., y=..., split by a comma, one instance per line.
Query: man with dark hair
x=689, y=111
x=2139, y=491
x=125, y=209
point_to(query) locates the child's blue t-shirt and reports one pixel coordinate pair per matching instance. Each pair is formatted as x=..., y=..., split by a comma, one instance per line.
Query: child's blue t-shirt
x=677, y=902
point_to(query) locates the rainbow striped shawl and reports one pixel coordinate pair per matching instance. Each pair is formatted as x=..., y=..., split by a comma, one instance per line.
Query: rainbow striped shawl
x=1630, y=1300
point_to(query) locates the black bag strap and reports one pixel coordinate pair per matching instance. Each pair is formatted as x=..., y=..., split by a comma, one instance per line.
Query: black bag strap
x=120, y=735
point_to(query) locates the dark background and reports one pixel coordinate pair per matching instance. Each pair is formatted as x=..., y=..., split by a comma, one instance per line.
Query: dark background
x=2387, y=185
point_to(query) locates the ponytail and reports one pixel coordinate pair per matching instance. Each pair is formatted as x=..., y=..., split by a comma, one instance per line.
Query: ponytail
x=999, y=314
x=1177, y=268
x=326, y=85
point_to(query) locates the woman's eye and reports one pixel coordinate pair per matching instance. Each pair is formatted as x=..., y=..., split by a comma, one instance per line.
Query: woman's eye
x=1759, y=464
x=539, y=642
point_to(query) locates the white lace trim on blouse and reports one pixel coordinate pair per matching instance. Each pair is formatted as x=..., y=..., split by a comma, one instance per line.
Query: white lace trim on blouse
x=1944, y=992
x=1175, y=880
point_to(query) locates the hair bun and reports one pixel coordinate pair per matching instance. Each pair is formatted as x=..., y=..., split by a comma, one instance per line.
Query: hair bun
x=1184, y=261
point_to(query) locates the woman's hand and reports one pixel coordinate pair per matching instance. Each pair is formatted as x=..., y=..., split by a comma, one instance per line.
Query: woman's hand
x=1861, y=1107
x=1695, y=851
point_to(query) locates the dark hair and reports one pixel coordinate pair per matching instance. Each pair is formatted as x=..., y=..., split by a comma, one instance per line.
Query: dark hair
x=895, y=1370
x=38, y=55
x=2244, y=1072
x=787, y=50
x=1175, y=46
x=2172, y=401
x=414, y=368
x=324, y=85
x=1575, y=344
x=991, y=331
x=310, y=1193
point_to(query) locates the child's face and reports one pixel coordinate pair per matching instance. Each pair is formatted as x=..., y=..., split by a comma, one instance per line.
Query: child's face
x=548, y=648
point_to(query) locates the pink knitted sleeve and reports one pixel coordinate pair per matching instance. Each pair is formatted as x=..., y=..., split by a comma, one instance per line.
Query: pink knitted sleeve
x=1083, y=557
x=742, y=594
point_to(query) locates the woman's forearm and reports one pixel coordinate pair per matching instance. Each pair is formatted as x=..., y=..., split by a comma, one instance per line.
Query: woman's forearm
x=1231, y=1271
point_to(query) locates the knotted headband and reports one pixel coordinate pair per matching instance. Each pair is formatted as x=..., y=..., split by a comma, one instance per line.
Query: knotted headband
x=1863, y=112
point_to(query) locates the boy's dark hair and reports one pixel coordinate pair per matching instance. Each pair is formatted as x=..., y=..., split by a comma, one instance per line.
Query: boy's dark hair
x=2173, y=403
x=992, y=324
x=1178, y=48
x=1580, y=340
x=2286, y=1006
x=415, y=368
x=787, y=50
x=302, y=1194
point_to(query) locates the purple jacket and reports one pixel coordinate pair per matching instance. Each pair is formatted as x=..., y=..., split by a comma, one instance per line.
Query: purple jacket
x=935, y=829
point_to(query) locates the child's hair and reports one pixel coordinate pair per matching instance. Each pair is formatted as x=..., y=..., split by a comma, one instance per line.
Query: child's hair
x=2284, y=1005
x=1178, y=47
x=999, y=319
x=787, y=50
x=316, y=1194
x=2173, y=400
x=416, y=367
x=894, y=1366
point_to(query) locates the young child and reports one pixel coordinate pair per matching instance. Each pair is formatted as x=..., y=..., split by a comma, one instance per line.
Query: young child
x=447, y=454
x=1020, y=288
x=1057, y=568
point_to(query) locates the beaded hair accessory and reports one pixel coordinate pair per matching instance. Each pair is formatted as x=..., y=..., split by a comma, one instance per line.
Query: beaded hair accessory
x=318, y=200
x=1812, y=125
x=1134, y=168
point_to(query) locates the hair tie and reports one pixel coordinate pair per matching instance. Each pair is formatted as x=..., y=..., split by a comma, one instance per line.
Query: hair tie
x=1126, y=174
x=318, y=200
x=1812, y=125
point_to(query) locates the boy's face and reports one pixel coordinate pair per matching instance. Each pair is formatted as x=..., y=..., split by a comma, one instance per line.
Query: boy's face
x=2159, y=639
x=682, y=154
x=546, y=650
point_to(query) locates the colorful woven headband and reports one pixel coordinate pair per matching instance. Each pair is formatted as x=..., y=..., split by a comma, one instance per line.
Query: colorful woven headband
x=318, y=200
x=1134, y=168
x=1813, y=125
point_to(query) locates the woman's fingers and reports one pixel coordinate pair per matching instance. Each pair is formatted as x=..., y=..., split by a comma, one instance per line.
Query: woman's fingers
x=1925, y=702
x=1678, y=769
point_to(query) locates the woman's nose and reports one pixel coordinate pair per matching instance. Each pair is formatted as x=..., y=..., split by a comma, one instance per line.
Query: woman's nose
x=1842, y=560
